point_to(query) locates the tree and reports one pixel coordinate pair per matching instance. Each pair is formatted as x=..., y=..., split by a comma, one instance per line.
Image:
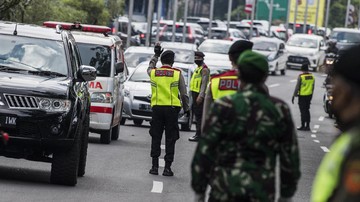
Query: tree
x=8, y=8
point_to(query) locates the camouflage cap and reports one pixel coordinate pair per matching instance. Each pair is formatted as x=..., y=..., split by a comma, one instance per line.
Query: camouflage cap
x=250, y=59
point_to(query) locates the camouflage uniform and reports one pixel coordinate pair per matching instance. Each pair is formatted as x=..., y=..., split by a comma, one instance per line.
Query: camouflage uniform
x=236, y=156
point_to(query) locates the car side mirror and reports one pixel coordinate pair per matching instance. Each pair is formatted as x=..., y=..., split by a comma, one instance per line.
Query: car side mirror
x=87, y=73
x=281, y=51
x=119, y=67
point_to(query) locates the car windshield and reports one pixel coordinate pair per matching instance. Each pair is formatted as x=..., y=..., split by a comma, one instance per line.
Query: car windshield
x=302, y=42
x=140, y=74
x=178, y=29
x=345, y=37
x=134, y=58
x=264, y=46
x=33, y=54
x=218, y=34
x=97, y=56
x=183, y=56
x=214, y=47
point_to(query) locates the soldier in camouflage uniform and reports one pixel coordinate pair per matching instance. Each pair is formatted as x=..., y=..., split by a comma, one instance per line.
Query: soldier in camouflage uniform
x=243, y=134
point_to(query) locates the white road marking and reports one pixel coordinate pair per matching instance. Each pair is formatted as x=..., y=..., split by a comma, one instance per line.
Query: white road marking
x=314, y=131
x=313, y=135
x=325, y=149
x=274, y=85
x=317, y=141
x=316, y=126
x=292, y=81
x=161, y=163
x=321, y=118
x=162, y=146
x=157, y=187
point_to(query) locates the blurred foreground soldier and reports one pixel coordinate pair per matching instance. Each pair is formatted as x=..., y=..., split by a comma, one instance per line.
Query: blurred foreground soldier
x=226, y=83
x=243, y=134
x=338, y=177
x=167, y=84
x=198, y=83
x=304, y=91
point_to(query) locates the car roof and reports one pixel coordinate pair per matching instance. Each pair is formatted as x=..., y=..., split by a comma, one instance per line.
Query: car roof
x=28, y=30
x=340, y=29
x=224, y=29
x=95, y=38
x=218, y=41
x=140, y=49
x=310, y=36
x=179, y=45
x=267, y=39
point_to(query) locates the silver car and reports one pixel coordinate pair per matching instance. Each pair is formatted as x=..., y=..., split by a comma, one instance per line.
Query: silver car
x=138, y=95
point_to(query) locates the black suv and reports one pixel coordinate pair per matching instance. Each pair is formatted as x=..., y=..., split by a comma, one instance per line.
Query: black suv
x=44, y=99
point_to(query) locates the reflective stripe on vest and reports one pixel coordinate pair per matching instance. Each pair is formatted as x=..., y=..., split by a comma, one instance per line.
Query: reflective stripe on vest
x=165, y=87
x=306, y=86
x=195, y=82
x=328, y=174
x=224, y=85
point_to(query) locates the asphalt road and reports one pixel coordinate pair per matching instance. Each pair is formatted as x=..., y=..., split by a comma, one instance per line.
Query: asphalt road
x=119, y=171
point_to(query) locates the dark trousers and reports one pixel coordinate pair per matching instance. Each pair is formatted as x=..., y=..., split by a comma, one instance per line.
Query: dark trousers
x=304, y=105
x=197, y=110
x=164, y=117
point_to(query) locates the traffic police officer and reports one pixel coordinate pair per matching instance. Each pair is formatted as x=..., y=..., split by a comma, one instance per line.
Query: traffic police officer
x=337, y=178
x=304, y=90
x=243, y=135
x=225, y=83
x=166, y=85
x=198, y=83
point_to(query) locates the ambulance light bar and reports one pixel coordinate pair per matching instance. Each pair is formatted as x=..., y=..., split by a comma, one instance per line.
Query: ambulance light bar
x=78, y=26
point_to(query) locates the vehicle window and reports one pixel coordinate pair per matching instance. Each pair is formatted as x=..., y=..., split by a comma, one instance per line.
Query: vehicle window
x=218, y=34
x=199, y=32
x=265, y=46
x=134, y=58
x=302, y=42
x=213, y=47
x=33, y=54
x=77, y=56
x=345, y=37
x=178, y=29
x=236, y=34
x=183, y=56
x=97, y=56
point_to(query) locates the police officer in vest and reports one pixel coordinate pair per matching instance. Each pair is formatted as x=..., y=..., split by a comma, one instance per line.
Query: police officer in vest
x=198, y=83
x=337, y=178
x=168, y=96
x=304, y=90
x=225, y=83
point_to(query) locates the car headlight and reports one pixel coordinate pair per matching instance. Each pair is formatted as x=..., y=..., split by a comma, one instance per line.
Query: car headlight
x=126, y=93
x=330, y=97
x=54, y=105
x=102, y=97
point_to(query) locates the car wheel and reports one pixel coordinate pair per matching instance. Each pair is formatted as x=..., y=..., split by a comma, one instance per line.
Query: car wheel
x=115, y=132
x=105, y=136
x=64, y=167
x=187, y=126
x=138, y=122
x=84, y=147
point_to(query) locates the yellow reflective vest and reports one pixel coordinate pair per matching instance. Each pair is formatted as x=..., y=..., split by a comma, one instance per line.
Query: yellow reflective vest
x=165, y=87
x=224, y=84
x=307, y=84
x=196, y=78
x=328, y=175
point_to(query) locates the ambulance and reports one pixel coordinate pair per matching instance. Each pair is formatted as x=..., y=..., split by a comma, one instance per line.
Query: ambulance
x=104, y=52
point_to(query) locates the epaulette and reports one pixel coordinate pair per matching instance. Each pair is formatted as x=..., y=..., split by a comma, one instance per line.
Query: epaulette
x=227, y=73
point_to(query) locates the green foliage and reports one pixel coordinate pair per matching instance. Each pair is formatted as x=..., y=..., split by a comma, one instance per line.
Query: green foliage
x=38, y=11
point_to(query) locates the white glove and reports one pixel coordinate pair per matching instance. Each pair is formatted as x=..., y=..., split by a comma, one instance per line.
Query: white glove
x=199, y=197
x=281, y=199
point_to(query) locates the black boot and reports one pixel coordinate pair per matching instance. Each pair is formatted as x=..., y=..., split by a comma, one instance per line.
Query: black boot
x=167, y=169
x=302, y=126
x=307, y=126
x=194, y=138
x=155, y=167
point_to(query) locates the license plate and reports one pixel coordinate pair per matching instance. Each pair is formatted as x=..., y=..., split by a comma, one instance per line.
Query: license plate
x=145, y=107
x=8, y=122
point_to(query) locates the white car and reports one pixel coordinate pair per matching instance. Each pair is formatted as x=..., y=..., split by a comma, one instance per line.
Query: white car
x=221, y=33
x=304, y=48
x=274, y=50
x=105, y=53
